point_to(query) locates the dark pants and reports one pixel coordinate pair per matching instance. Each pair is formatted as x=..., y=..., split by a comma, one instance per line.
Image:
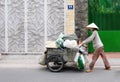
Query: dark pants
x=99, y=52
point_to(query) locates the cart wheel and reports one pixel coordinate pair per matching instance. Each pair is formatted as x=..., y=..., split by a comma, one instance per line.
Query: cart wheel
x=55, y=63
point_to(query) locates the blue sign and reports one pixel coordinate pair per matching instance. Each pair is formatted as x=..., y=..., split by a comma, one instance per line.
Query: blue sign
x=70, y=7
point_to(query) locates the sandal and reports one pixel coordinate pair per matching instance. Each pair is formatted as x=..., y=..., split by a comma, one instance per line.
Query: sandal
x=89, y=70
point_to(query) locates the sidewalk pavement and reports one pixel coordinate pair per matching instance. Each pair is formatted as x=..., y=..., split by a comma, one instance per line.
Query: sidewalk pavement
x=31, y=61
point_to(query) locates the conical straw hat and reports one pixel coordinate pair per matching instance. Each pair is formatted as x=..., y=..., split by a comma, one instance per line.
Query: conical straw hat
x=92, y=25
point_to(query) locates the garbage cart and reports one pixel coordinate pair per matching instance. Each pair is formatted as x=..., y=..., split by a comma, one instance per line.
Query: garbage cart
x=56, y=58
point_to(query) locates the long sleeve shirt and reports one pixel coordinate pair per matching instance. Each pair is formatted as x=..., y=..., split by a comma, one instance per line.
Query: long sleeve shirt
x=95, y=39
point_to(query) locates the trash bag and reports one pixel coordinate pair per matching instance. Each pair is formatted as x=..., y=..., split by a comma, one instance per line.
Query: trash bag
x=42, y=60
x=79, y=59
x=70, y=40
x=81, y=62
x=59, y=42
x=76, y=57
x=70, y=43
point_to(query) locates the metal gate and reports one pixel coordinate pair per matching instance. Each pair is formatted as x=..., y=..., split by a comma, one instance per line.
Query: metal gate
x=25, y=25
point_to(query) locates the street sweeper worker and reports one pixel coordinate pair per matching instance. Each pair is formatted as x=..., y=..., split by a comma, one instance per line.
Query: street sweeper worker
x=98, y=47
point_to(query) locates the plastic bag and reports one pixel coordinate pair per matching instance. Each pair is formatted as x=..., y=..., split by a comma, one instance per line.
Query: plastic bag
x=66, y=43
x=59, y=41
x=70, y=43
x=81, y=62
x=76, y=57
x=79, y=59
x=42, y=59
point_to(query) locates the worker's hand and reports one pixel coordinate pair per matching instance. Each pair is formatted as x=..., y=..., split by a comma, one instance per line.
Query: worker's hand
x=80, y=44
